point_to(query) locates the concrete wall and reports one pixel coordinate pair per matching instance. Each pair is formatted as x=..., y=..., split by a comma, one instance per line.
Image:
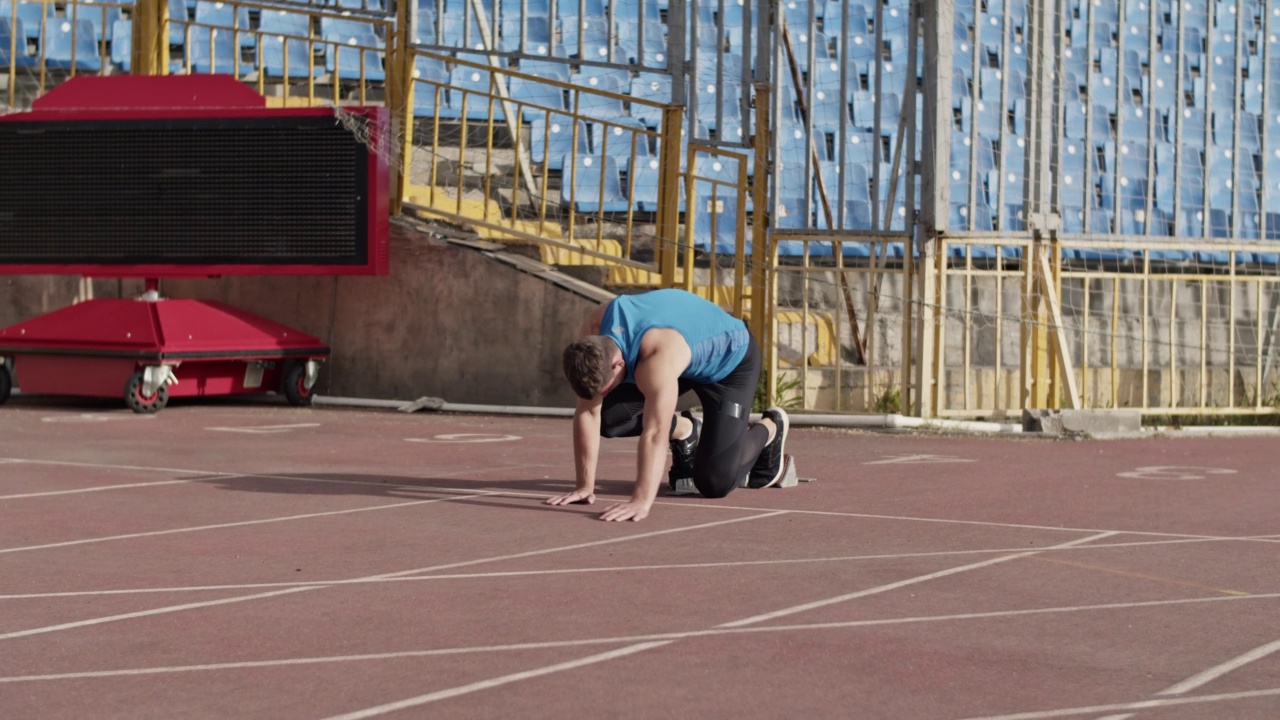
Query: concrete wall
x=447, y=321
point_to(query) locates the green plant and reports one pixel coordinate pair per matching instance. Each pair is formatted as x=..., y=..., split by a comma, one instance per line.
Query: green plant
x=888, y=402
x=787, y=391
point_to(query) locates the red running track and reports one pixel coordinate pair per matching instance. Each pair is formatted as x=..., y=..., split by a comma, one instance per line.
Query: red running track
x=260, y=561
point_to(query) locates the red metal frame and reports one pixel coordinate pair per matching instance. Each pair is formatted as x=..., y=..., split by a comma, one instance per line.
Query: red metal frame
x=126, y=97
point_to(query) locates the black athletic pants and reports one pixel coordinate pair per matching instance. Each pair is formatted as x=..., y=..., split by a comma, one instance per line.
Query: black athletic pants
x=727, y=448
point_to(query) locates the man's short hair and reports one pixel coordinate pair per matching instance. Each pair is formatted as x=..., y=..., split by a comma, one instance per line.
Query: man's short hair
x=586, y=365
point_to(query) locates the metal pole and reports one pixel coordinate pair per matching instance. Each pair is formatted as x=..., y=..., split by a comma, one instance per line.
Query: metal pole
x=935, y=156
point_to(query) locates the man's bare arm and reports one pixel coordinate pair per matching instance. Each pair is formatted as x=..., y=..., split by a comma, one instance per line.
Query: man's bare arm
x=586, y=452
x=664, y=355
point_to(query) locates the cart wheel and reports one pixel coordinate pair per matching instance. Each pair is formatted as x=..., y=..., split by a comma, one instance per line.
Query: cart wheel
x=141, y=403
x=6, y=383
x=295, y=386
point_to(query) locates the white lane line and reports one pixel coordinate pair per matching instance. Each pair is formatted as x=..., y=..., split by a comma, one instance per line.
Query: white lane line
x=1140, y=705
x=579, y=546
x=631, y=649
x=629, y=639
x=242, y=598
x=903, y=583
x=587, y=570
x=1213, y=673
x=496, y=682
x=144, y=613
x=106, y=466
x=101, y=488
x=707, y=505
x=222, y=526
x=980, y=523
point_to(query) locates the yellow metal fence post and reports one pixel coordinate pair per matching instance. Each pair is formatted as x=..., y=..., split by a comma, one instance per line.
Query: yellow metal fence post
x=667, y=248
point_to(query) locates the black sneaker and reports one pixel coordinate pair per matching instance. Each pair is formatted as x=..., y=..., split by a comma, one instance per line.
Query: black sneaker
x=680, y=477
x=768, y=468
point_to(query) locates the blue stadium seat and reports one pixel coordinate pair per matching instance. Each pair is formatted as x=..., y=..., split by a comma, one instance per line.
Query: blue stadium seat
x=537, y=30
x=223, y=15
x=428, y=95
x=343, y=57
x=621, y=142
x=643, y=183
x=791, y=212
x=63, y=40
x=279, y=58
x=549, y=69
x=828, y=106
x=536, y=98
x=653, y=87
x=177, y=21
x=723, y=100
x=592, y=184
x=655, y=44
x=30, y=16
x=473, y=95
x=21, y=58
x=121, y=44
x=715, y=224
x=212, y=50
x=552, y=138
x=102, y=17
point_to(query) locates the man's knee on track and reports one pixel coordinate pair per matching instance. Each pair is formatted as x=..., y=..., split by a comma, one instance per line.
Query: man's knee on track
x=714, y=485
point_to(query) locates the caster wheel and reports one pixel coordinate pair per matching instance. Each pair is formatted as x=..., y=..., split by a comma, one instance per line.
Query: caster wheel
x=295, y=386
x=140, y=402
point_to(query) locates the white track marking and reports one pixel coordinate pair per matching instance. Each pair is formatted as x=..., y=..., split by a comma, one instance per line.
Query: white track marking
x=579, y=546
x=684, y=504
x=265, y=429
x=1208, y=676
x=223, y=526
x=1140, y=705
x=242, y=598
x=101, y=488
x=629, y=639
x=588, y=570
x=104, y=466
x=918, y=460
x=1213, y=673
x=903, y=583
x=632, y=649
x=145, y=613
x=496, y=682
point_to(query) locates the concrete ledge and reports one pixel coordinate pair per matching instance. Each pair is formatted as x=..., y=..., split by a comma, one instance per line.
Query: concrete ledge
x=1081, y=422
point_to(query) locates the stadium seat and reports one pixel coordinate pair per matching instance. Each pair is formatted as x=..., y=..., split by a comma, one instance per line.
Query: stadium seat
x=643, y=182
x=210, y=13
x=536, y=98
x=30, y=16
x=343, y=57
x=537, y=31
x=592, y=184
x=281, y=57
x=655, y=88
x=212, y=50
x=551, y=138
x=655, y=44
x=621, y=142
x=121, y=44
x=102, y=17
x=430, y=86
x=715, y=224
x=549, y=69
x=71, y=47
x=21, y=58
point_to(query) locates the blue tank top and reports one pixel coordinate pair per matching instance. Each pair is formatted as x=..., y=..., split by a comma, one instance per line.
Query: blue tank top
x=718, y=341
